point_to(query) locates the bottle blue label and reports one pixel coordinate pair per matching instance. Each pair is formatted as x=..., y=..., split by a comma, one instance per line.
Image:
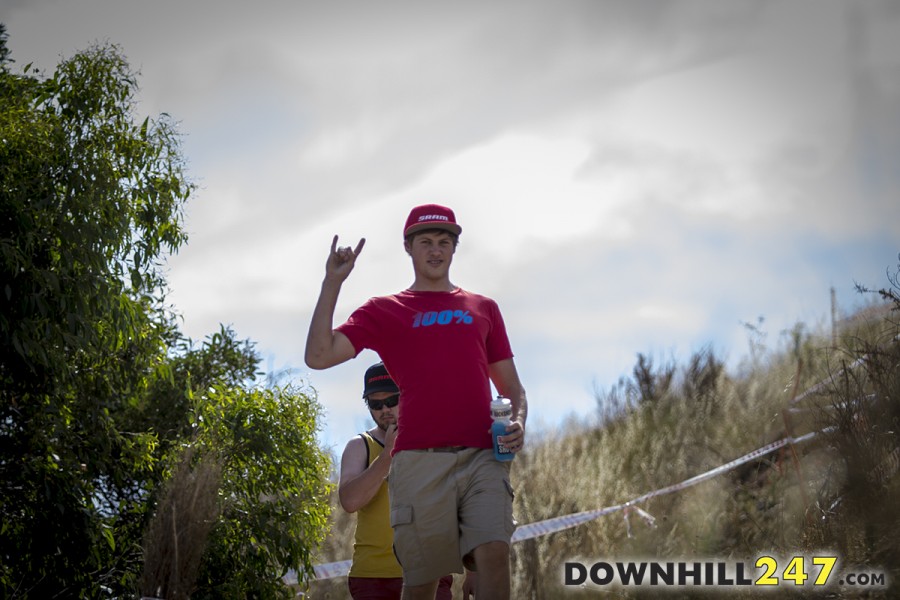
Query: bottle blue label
x=501, y=452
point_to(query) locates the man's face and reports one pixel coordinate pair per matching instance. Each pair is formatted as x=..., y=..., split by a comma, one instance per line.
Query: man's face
x=432, y=254
x=387, y=415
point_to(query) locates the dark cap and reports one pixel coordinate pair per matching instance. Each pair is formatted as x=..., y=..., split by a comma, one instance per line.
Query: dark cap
x=431, y=216
x=378, y=380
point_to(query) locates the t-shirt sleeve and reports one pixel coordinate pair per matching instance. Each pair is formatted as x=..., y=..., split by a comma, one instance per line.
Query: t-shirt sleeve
x=497, y=343
x=361, y=328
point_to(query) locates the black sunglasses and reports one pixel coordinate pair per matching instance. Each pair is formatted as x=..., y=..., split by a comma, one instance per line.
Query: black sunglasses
x=390, y=402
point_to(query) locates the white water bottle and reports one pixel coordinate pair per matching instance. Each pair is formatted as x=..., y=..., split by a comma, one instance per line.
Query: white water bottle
x=501, y=412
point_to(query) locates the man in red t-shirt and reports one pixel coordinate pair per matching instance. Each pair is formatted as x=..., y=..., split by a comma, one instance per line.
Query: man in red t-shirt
x=451, y=501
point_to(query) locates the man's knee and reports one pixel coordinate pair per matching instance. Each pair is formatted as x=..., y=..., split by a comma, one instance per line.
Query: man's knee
x=491, y=555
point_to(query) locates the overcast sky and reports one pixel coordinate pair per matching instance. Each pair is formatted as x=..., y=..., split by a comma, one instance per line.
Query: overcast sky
x=630, y=176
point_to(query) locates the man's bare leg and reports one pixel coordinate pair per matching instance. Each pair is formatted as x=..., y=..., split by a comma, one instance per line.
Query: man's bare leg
x=420, y=592
x=492, y=563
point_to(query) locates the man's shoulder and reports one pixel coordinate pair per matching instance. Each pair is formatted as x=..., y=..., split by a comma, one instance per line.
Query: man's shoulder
x=477, y=298
x=384, y=299
x=354, y=456
x=356, y=441
x=376, y=304
x=476, y=295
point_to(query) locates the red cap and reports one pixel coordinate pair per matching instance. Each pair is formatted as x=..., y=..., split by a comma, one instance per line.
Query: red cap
x=431, y=216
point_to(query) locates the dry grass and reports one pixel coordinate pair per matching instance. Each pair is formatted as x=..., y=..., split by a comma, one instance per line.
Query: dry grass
x=176, y=537
x=838, y=493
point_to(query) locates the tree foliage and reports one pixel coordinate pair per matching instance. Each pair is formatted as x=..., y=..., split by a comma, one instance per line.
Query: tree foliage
x=272, y=493
x=97, y=401
x=274, y=488
x=89, y=201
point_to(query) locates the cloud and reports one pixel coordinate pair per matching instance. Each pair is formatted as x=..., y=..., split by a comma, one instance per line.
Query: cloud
x=631, y=176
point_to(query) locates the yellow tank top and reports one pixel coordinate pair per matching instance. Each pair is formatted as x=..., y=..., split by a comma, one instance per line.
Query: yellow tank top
x=373, y=550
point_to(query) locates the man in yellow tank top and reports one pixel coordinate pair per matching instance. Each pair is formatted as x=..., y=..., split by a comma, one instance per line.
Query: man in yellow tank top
x=375, y=573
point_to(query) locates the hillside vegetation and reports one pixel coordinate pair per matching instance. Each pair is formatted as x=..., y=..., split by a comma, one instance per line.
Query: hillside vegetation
x=835, y=494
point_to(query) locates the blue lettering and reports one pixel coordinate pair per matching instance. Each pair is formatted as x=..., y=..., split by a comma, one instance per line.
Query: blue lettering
x=445, y=317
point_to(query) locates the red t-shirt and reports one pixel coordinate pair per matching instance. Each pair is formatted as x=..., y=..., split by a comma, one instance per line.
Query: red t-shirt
x=437, y=347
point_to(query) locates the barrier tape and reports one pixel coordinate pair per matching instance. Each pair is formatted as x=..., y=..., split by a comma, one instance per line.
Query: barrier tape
x=845, y=405
x=556, y=524
x=831, y=379
x=650, y=519
x=331, y=570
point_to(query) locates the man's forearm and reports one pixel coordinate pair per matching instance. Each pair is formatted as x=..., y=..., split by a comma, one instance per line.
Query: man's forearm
x=320, y=339
x=520, y=407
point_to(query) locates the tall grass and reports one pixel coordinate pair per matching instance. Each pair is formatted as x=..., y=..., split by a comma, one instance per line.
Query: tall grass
x=176, y=537
x=665, y=423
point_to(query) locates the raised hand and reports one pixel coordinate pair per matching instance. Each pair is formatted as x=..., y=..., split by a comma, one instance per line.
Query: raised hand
x=341, y=260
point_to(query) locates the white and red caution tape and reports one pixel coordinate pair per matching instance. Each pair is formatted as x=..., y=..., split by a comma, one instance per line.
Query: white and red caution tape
x=831, y=379
x=548, y=526
x=331, y=570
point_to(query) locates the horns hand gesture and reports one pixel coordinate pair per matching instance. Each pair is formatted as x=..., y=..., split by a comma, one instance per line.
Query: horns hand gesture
x=341, y=260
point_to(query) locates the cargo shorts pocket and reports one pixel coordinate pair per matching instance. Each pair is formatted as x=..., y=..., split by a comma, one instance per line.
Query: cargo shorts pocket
x=406, y=538
x=401, y=515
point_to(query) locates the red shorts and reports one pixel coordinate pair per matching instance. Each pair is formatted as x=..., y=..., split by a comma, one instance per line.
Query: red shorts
x=390, y=588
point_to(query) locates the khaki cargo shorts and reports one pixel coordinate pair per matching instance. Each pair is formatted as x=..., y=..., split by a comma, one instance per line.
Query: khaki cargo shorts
x=444, y=504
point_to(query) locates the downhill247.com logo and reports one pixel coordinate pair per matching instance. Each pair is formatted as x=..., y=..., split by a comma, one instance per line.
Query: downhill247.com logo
x=445, y=317
x=766, y=571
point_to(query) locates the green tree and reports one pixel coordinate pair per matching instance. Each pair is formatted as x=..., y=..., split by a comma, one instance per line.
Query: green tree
x=4, y=51
x=97, y=402
x=90, y=201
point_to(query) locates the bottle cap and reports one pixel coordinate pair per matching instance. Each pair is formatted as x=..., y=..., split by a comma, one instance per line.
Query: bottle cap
x=501, y=408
